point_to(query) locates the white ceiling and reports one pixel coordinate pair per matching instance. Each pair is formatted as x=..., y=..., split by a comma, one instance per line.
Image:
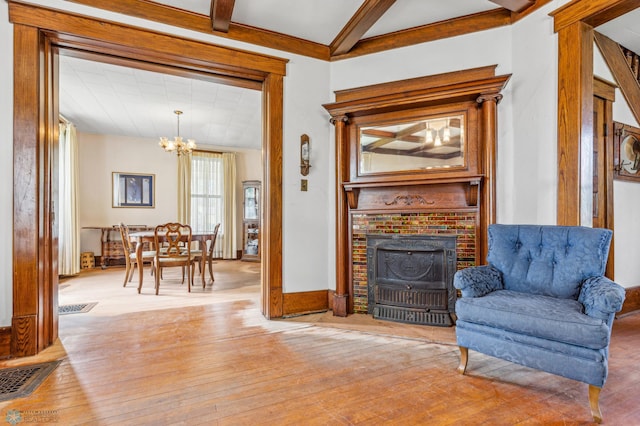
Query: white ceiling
x=109, y=99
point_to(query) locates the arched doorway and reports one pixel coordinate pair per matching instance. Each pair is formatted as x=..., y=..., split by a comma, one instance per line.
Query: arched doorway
x=40, y=35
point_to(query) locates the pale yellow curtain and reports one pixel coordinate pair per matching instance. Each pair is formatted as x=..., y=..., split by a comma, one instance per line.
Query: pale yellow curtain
x=68, y=216
x=184, y=189
x=229, y=243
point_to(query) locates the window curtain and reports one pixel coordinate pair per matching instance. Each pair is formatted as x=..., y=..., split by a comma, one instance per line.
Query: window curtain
x=184, y=189
x=230, y=245
x=68, y=216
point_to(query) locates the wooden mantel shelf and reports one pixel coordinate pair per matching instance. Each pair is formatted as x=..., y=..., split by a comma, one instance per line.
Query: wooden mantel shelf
x=472, y=179
x=399, y=192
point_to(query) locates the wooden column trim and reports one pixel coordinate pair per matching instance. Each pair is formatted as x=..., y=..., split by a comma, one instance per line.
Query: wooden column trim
x=28, y=125
x=341, y=298
x=272, y=202
x=574, y=23
x=575, y=117
x=488, y=140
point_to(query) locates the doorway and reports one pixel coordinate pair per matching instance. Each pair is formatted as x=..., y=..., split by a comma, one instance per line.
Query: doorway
x=39, y=36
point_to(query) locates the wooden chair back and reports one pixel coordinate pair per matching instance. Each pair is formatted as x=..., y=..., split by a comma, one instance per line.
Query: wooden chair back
x=175, y=240
x=126, y=241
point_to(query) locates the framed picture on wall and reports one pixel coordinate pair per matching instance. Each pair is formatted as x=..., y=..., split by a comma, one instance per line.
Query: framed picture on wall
x=133, y=190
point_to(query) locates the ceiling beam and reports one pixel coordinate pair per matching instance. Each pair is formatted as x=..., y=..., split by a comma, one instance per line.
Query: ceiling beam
x=514, y=5
x=221, y=11
x=367, y=15
x=177, y=17
x=439, y=30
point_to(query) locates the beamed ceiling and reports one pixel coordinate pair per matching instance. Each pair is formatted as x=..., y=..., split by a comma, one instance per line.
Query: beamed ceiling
x=115, y=100
x=329, y=29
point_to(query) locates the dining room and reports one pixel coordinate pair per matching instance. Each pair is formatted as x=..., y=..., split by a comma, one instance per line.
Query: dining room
x=121, y=163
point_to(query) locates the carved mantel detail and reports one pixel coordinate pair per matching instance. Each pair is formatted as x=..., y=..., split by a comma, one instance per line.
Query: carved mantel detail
x=409, y=200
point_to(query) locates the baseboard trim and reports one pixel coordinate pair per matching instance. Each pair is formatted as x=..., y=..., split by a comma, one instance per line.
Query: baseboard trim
x=305, y=302
x=5, y=342
x=631, y=301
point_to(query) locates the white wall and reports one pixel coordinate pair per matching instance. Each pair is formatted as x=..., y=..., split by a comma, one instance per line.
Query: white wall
x=6, y=166
x=527, y=160
x=626, y=197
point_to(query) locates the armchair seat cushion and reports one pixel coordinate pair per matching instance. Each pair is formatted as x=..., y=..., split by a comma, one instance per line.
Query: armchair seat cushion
x=545, y=317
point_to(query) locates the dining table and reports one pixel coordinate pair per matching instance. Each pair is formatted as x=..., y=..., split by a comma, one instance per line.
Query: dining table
x=202, y=237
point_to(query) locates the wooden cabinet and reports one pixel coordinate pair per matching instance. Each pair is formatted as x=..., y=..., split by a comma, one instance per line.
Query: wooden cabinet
x=111, y=248
x=251, y=220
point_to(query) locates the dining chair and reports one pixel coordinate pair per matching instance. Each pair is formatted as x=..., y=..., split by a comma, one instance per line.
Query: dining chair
x=175, y=240
x=208, y=245
x=130, y=258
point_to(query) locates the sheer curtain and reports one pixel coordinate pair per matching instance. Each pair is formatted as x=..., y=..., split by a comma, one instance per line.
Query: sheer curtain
x=184, y=189
x=68, y=226
x=229, y=246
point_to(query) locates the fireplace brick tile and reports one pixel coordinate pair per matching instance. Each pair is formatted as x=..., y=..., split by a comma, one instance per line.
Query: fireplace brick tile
x=462, y=224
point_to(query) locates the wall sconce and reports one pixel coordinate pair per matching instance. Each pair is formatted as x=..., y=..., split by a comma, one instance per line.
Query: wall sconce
x=304, y=155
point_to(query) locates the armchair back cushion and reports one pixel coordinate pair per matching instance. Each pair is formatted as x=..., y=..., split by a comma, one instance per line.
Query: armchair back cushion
x=547, y=260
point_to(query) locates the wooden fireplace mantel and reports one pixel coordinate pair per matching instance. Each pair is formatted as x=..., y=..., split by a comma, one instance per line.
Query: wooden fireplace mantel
x=469, y=187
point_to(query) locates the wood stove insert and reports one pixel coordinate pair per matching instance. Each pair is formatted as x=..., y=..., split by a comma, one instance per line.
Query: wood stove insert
x=410, y=278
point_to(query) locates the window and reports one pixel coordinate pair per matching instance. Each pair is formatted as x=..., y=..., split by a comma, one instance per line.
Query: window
x=207, y=191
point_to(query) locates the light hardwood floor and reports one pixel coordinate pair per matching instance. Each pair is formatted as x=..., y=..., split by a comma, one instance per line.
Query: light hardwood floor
x=210, y=358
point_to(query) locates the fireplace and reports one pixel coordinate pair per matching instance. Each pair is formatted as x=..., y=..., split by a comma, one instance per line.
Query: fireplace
x=394, y=178
x=410, y=278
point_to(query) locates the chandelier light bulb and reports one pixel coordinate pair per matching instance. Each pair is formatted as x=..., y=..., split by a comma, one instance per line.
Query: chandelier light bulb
x=428, y=136
x=446, y=134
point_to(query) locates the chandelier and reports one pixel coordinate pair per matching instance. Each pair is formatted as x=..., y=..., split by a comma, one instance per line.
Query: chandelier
x=177, y=144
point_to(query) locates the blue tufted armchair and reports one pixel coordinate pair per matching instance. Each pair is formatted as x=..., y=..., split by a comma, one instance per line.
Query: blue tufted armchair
x=542, y=302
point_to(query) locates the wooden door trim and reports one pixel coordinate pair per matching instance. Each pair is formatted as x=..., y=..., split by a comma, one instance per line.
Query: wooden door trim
x=606, y=91
x=38, y=31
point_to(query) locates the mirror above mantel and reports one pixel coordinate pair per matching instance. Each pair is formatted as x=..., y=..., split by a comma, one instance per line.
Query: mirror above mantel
x=432, y=143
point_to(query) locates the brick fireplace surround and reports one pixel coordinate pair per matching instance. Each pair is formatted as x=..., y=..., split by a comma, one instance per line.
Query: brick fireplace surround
x=462, y=224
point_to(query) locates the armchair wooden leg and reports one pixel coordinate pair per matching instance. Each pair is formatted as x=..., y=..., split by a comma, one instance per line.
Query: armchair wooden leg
x=594, y=397
x=464, y=358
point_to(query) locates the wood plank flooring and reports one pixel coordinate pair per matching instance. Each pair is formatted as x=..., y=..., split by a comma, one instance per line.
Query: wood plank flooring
x=210, y=358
